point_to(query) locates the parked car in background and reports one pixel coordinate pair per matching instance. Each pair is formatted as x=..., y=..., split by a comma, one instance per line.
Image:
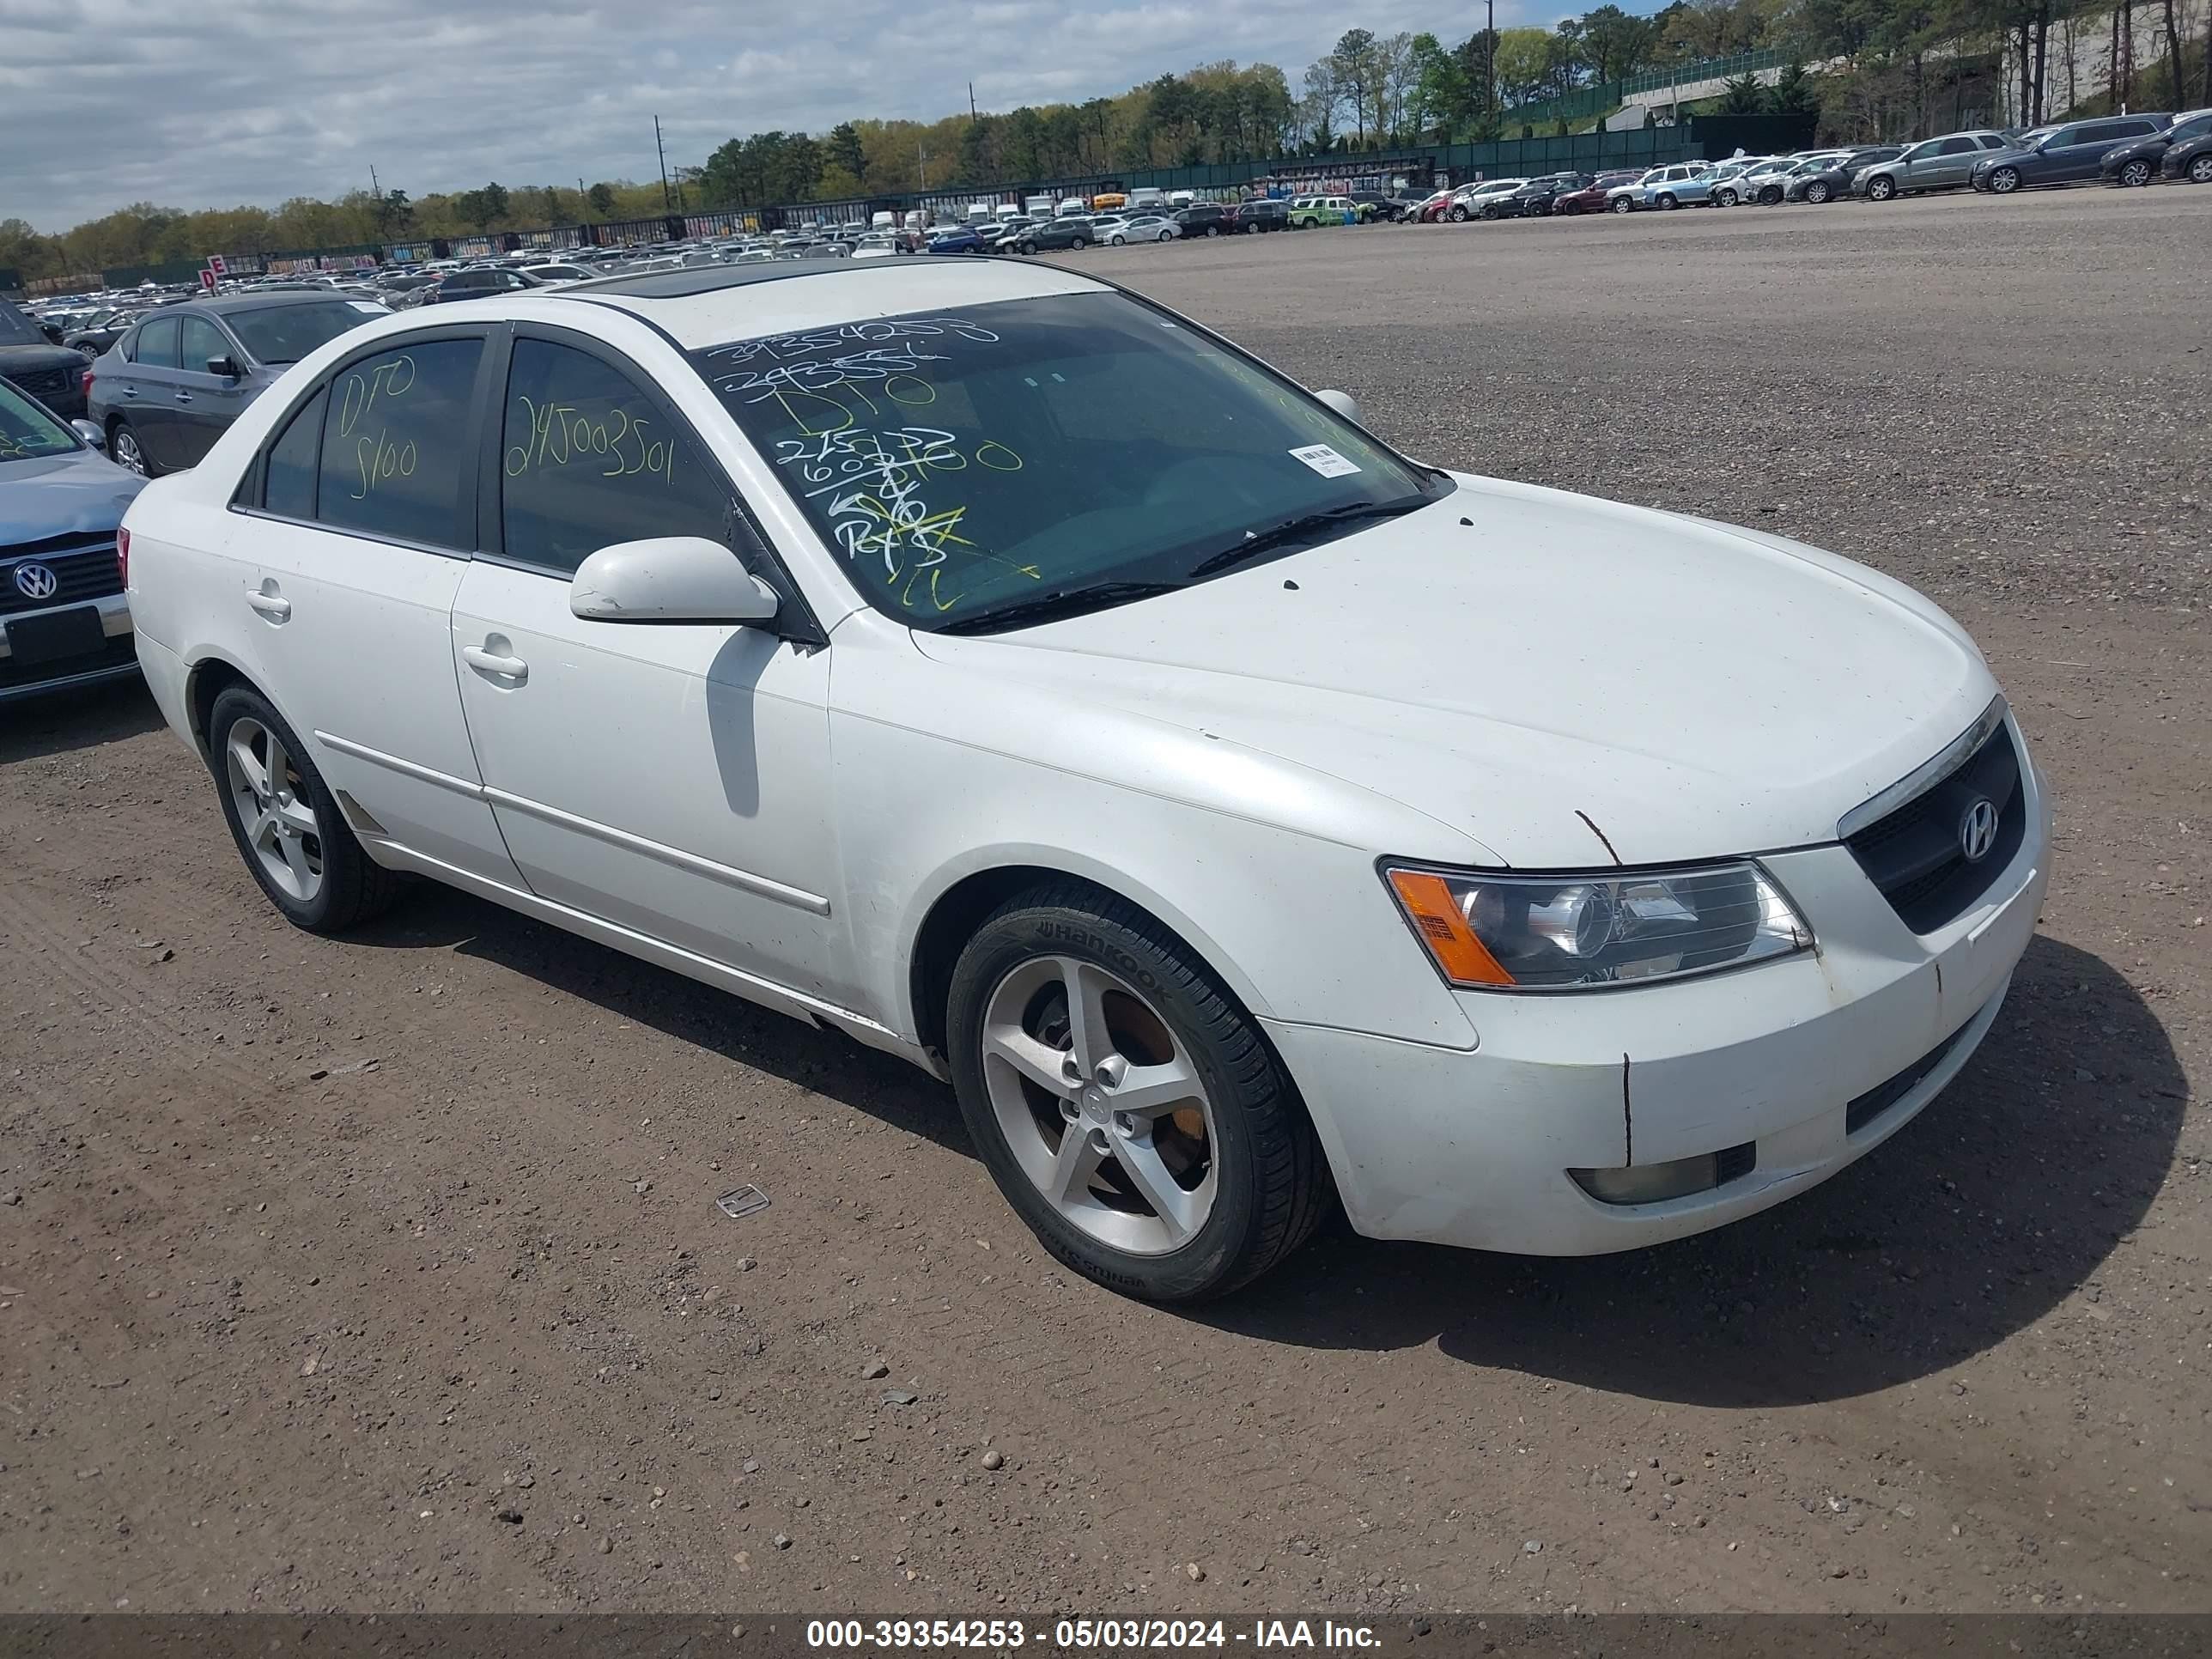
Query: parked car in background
x=476, y=283
x=1312, y=212
x=2068, y=155
x=1432, y=207
x=958, y=238
x=1944, y=162
x=1151, y=228
x=1725, y=174
x=1591, y=197
x=1832, y=181
x=1534, y=199
x=101, y=330
x=2190, y=159
x=557, y=271
x=2137, y=164
x=1679, y=183
x=1379, y=208
x=1202, y=219
x=1217, y=907
x=164, y=392
x=1061, y=234
x=64, y=621
x=1260, y=215
x=1468, y=200
x=37, y=366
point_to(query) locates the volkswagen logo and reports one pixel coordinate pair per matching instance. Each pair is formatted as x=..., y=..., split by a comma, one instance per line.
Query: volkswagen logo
x=1978, y=831
x=36, y=581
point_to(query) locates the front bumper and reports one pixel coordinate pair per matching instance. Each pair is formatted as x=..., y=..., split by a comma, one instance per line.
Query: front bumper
x=114, y=661
x=1794, y=1068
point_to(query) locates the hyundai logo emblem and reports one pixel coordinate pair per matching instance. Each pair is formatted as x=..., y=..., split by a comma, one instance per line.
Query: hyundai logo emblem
x=36, y=581
x=1978, y=831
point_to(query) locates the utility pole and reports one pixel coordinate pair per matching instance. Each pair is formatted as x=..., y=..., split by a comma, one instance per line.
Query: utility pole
x=922, y=158
x=971, y=103
x=662, y=150
x=1489, y=65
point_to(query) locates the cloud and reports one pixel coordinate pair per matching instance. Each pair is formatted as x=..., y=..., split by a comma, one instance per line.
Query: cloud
x=106, y=102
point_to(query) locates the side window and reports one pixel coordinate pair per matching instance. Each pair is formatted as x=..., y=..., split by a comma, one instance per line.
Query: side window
x=1991, y=140
x=395, y=439
x=289, y=473
x=1957, y=147
x=588, y=461
x=202, y=340
x=157, y=344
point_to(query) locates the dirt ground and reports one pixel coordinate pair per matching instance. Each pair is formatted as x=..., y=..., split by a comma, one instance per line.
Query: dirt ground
x=320, y=1260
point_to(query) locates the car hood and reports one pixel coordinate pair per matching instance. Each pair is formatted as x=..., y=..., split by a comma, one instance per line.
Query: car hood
x=20, y=359
x=81, y=493
x=2153, y=144
x=1564, y=679
x=1992, y=158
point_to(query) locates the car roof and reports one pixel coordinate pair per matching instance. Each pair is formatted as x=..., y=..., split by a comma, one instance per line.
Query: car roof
x=225, y=305
x=711, y=305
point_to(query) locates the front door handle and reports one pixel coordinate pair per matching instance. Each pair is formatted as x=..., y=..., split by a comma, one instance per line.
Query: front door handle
x=184, y=397
x=492, y=663
x=268, y=602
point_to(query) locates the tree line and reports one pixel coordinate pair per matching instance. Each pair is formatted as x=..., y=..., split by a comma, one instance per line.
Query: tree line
x=1890, y=69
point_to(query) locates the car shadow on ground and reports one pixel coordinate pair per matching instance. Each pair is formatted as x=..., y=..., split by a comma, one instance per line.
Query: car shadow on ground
x=1981, y=1217
x=823, y=1059
x=50, y=725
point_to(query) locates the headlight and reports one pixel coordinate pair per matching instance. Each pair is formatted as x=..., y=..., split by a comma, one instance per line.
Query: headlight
x=1560, y=932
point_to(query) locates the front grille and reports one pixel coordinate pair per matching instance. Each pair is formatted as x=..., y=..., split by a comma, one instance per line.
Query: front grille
x=1878, y=1099
x=59, y=388
x=1915, y=854
x=84, y=569
x=118, y=652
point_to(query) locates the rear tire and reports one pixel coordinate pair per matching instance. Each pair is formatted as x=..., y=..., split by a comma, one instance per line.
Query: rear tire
x=298, y=848
x=1239, y=1172
x=127, y=453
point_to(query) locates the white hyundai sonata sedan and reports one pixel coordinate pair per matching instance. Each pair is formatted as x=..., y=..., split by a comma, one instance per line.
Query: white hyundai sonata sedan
x=996, y=666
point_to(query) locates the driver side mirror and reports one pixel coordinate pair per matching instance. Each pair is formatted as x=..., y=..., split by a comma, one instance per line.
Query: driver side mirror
x=1343, y=404
x=668, y=579
x=225, y=367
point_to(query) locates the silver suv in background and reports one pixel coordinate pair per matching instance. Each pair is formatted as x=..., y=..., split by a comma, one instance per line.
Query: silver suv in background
x=1940, y=163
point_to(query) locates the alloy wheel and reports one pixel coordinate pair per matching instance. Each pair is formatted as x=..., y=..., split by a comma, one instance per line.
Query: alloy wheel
x=280, y=826
x=1100, y=1105
x=2135, y=174
x=124, y=446
x=2004, y=181
x=2200, y=169
x=1880, y=189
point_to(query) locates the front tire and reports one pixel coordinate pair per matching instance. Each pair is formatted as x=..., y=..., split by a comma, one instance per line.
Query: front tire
x=1881, y=188
x=2004, y=181
x=1128, y=1109
x=1667, y=203
x=1459, y=214
x=1725, y=199
x=1620, y=204
x=2200, y=168
x=1817, y=192
x=288, y=828
x=2135, y=174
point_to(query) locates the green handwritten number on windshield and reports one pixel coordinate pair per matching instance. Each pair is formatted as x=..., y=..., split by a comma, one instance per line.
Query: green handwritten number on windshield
x=390, y=379
x=380, y=460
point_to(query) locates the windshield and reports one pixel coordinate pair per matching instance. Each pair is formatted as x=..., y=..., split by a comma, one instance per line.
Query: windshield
x=284, y=334
x=975, y=459
x=26, y=431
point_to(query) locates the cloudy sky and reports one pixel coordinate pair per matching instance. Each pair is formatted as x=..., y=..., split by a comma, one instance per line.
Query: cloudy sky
x=211, y=104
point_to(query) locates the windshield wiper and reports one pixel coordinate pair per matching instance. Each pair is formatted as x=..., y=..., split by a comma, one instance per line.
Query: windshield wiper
x=1298, y=529
x=1066, y=602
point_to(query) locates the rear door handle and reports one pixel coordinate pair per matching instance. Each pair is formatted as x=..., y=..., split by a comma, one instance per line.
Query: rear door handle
x=270, y=603
x=184, y=397
x=490, y=662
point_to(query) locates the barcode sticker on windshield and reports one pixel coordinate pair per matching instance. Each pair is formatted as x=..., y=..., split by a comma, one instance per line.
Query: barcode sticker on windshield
x=363, y=304
x=1324, y=460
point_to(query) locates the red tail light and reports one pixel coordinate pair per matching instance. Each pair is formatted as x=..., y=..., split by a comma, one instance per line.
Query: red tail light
x=122, y=557
x=85, y=385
